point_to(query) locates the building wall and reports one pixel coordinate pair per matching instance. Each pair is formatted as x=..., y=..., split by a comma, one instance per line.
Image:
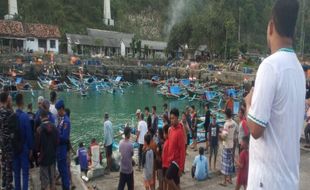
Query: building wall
x=31, y=44
x=49, y=48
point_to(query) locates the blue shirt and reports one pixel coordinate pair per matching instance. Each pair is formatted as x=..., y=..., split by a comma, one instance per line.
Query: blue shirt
x=82, y=154
x=64, y=136
x=26, y=129
x=37, y=119
x=201, y=164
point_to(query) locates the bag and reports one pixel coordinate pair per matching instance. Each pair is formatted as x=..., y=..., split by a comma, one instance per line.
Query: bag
x=16, y=133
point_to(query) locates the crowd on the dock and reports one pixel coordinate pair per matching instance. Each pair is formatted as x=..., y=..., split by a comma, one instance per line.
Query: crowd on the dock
x=162, y=151
x=40, y=139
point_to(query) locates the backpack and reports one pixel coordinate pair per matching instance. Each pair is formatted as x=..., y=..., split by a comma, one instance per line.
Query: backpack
x=16, y=133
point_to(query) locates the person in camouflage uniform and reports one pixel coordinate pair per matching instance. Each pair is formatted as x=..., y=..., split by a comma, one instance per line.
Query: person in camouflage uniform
x=6, y=112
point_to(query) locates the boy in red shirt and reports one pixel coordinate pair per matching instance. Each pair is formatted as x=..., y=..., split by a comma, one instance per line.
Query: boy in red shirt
x=175, y=151
x=243, y=164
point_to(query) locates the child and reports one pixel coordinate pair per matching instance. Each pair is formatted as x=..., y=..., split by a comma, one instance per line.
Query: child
x=243, y=164
x=148, y=163
x=213, y=138
x=200, y=166
x=82, y=155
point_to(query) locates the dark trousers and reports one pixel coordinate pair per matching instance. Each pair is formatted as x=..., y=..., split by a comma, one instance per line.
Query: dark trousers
x=140, y=154
x=126, y=179
x=7, y=168
x=307, y=133
x=64, y=174
x=21, y=163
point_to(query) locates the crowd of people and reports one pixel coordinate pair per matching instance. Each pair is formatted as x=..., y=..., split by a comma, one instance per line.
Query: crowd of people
x=162, y=151
x=40, y=139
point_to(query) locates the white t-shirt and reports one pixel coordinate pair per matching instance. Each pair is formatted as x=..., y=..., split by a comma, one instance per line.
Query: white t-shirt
x=53, y=110
x=230, y=126
x=142, y=128
x=278, y=104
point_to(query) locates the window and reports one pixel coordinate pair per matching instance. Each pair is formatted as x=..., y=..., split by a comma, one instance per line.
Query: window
x=52, y=44
x=30, y=39
x=42, y=43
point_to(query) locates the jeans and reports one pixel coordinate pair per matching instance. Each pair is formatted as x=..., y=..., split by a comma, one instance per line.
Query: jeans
x=140, y=154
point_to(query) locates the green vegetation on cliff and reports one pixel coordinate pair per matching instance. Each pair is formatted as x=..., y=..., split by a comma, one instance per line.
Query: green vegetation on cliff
x=191, y=22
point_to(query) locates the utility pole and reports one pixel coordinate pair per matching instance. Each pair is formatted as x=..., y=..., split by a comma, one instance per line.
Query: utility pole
x=302, y=32
x=239, y=25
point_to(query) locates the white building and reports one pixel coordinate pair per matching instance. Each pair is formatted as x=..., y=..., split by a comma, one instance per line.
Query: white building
x=112, y=43
x=17, y=36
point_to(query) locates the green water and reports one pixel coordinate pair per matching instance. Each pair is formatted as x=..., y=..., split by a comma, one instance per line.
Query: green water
x=87, y=113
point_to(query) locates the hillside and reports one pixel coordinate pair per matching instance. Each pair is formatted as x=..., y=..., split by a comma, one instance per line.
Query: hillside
x=191, y=22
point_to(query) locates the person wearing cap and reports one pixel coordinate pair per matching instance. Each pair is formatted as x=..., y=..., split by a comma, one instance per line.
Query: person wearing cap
x=108, y=140
x=23, y=152
x=63, y=126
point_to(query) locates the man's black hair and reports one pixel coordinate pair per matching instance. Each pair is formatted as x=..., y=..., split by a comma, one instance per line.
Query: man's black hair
x=284, y=16
x=44, y=113
x=154, y=108
x=193, y=107
x=147, y=139
x=228, y=113
x=53, y=96
x=142, y=116
x=127, y=131
x=19, y=99
x=175, y=112
x=29, y=106
x=81, y=145
x=165, y=105
x=207, y=105
x=147, y=109
x=4, y=97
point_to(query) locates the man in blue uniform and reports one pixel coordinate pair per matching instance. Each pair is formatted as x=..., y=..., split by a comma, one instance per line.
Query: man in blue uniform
x=24, y=146
x=63, y=126
x=6, y=112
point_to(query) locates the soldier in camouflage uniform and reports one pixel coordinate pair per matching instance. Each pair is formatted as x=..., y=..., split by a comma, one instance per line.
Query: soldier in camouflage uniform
x=6, y=112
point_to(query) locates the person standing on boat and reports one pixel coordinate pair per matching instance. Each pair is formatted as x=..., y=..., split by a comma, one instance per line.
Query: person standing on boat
x=24, y=147
x=229, y=103
x=126, y=171
x=276, y=105
x=154, y=121
x=108, y=140
x=6, y=111
x=63, y=126
x=207, y=124
x=148, y=118
x=194, y=127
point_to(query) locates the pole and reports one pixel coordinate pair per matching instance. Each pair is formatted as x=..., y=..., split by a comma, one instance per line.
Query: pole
x=302, y=34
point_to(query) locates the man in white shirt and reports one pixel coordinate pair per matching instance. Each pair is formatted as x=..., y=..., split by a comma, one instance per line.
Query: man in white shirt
x=53, y=110
x=276, y=107
x=108, y=139
x=142, y=130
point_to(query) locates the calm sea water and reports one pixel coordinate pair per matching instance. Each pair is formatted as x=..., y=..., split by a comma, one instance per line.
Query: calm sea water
x=87, y=113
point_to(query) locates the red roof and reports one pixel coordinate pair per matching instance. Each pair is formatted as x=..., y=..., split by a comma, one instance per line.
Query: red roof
x=42, y=30
x=18, y=29
x=11, y=28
